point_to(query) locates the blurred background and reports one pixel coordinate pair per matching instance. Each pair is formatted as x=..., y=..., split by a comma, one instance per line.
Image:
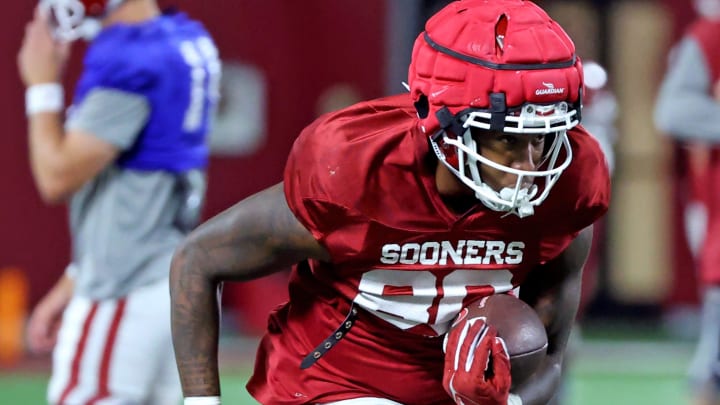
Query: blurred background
x=286, y=62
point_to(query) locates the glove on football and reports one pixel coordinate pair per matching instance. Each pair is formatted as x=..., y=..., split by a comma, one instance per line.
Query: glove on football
x=477, y=364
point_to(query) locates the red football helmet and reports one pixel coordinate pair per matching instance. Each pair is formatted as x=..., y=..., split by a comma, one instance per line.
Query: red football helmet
x=497, y=65
x=74, y=19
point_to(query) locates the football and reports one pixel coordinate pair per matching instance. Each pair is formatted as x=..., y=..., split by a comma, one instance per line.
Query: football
x=521, y=329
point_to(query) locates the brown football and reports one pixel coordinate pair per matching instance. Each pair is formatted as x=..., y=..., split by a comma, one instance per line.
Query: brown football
x=521, y=329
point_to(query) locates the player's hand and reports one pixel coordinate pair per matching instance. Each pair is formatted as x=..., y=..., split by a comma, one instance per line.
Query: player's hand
x=44, y=323
x=477, y=365
x=41, y=58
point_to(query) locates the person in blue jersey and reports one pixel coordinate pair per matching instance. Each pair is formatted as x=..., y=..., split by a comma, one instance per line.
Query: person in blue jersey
x=129, y=156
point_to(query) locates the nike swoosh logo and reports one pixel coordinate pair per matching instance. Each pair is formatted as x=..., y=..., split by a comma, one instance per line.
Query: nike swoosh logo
x=439, y=92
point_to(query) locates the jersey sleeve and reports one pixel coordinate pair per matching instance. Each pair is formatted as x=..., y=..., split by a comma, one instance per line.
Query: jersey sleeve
x=345, y=172
x=580, y=198
x=111, y=100
x=112, y=115
x=591, y=179
x=318, y=194
x=305, y=191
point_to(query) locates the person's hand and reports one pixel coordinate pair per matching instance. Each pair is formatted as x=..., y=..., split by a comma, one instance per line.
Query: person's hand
x=42, y=329
x=716, y=91
x=41, y=58
x=477, y=365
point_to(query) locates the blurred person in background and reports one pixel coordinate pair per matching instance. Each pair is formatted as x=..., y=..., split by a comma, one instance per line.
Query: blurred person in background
x=130, y=156
x=688, y=110
x=397, y=212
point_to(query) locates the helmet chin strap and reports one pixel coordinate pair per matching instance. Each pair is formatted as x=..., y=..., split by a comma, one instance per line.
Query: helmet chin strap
x=522, y=207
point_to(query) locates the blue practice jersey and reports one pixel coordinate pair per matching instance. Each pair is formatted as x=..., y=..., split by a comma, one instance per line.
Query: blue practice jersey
x=173, y=63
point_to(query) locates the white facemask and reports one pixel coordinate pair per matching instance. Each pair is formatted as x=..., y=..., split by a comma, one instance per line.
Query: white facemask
x=532, y=119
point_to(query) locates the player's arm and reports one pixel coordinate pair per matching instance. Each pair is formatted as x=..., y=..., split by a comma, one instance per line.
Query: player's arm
x=255, y=237
x=554, y=290
x=61, y=163
x=106, y=122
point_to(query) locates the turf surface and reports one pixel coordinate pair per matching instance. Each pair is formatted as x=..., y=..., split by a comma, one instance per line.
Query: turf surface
x=605, y=372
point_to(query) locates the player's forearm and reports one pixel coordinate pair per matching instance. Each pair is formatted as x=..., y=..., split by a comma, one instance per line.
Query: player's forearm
x=194, y=326
x=544, y=383
x=559, y=309
x=63, y=289
x=557, y=305
x=45, y=142
x=257, y=236
x=542, y=386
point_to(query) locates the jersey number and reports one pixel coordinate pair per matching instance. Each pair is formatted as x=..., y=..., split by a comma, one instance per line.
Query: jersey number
x=410, y=298
x=202, y=58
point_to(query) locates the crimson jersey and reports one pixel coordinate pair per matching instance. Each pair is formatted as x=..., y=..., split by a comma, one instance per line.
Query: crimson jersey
x=362, y=181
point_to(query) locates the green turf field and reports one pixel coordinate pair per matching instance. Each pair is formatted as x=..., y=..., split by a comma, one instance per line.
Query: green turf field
x=604, y=373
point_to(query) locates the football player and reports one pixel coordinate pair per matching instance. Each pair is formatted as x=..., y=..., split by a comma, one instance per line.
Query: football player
x=397, y=212
x=130, y=156
x=688, y=110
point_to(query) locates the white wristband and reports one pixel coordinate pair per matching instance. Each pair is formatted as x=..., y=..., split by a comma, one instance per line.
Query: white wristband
x=46, y=97
x=514, y=400
x=202, y=401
